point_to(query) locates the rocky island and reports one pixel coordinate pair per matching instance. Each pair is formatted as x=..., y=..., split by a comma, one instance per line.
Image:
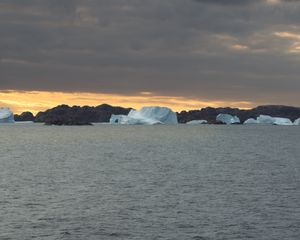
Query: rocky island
x=66, y=115
x=210, y=114
x=86, y=115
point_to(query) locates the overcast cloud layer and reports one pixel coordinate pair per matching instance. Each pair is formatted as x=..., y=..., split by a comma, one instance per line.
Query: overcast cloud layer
x=245, y=50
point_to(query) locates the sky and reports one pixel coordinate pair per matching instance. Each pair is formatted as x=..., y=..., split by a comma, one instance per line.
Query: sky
x=184, y=54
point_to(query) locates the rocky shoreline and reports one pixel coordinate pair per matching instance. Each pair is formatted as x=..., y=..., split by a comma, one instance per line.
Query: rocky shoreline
x=75, y=115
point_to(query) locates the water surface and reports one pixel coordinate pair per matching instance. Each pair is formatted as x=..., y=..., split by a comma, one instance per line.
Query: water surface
x=149, y=182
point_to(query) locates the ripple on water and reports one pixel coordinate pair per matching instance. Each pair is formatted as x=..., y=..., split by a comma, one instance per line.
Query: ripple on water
x=149, y=182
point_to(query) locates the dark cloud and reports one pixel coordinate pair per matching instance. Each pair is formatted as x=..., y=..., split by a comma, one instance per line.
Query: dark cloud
x=212, y=49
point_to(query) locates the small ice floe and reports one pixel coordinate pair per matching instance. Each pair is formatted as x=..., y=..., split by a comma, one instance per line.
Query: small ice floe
x=197, y=122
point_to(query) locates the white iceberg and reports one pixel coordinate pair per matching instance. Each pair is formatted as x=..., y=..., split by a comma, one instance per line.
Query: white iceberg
x=227, y=119
x=297, y=121
x=126, y=120
x=251, y=121
x=197, y=122
x=265, y=119
x=283, y=121
x=146, y=116
x=6, y=116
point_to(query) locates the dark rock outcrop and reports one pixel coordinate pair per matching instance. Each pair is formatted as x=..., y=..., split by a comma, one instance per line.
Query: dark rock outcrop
x=24, y=117
x=66, y=115
x=210, y=113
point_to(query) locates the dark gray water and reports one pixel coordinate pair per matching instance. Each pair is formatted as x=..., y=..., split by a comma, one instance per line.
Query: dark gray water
x=149, y=182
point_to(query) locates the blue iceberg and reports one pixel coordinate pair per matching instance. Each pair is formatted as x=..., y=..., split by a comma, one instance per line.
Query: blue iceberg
x=227, y=119
x=6, y=115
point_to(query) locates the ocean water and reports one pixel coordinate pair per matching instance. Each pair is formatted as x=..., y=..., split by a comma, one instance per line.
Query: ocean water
x=149, y=182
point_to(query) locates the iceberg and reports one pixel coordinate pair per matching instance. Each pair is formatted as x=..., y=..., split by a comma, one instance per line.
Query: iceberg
x=251, y=121
x=197, y=122
x=297, y=121
x=146, y=116
x=6, y=115
x=227, y=119
x=265, y=119
x=126, y=120
x=283, y=121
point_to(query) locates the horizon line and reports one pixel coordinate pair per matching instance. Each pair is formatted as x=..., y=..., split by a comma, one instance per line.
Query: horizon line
x=37, y=101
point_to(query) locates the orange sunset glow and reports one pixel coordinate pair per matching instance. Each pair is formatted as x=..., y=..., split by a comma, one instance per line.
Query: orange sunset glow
x=35, y=101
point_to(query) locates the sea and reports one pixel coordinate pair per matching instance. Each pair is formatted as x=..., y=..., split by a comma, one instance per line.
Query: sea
x=178, y=182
